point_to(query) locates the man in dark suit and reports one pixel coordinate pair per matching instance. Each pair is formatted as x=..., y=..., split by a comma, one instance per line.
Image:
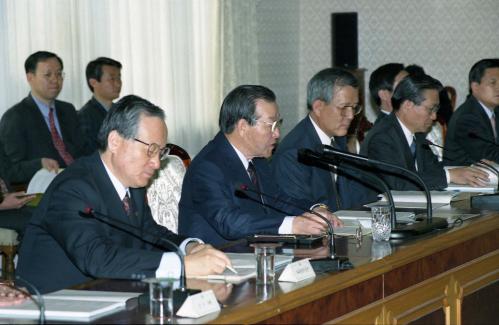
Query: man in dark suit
x=381, y=84
x=211, y=207
x=332, y=101
x=400, y=139
x=62, y=248
x=41, y=131
x=474, y=126
x=104, y=80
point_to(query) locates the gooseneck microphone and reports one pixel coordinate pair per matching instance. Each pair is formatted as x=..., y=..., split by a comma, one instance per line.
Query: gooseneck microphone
x=332, y=249
x=180, y=294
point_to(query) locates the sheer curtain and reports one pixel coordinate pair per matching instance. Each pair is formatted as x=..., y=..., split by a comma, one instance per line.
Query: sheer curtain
x=170, y=51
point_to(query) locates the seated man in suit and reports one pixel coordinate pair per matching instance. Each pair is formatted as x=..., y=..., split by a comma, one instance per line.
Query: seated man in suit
x=400, y=139
x=473, y=128
x=211, y=205
x=104, y=80
x=63, y=248
x=381, y=84
x=41, y=131
x=332, y=101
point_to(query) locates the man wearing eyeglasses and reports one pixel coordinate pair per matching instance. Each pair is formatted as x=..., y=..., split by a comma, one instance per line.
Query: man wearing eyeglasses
x=400, y=138
x=63, y=248
x=332, y=102
x=40, y=131
x=228, y=191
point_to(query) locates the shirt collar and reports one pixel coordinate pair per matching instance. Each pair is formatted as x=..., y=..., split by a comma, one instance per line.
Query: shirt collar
x=44, y=108
x=325, y=139
x=409, y=136
x=120, y=188
x=241, y=157
x=489, y=112
x=102, y=104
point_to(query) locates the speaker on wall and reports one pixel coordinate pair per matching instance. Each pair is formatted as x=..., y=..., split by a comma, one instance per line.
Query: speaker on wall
x=345, y=40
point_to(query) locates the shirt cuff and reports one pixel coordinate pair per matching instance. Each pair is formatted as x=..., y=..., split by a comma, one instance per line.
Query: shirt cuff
x=286, y=226
x=447, y=175
x=187, y=241
x=169, y=266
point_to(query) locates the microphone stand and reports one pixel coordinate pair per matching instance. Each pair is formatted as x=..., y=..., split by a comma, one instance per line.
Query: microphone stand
x=180, y=294
x=409, y=229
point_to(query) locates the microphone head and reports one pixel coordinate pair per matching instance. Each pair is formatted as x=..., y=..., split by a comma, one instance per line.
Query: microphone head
x=241, y=187
x=88, y=212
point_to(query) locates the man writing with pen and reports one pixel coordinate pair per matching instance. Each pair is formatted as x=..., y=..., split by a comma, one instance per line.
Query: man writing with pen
x=62, y=248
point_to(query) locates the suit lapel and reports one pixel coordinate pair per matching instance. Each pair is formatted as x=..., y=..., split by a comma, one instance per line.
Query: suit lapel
x=38, y=121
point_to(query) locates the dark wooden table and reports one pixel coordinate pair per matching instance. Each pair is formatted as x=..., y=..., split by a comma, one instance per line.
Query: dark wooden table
x=447, y=276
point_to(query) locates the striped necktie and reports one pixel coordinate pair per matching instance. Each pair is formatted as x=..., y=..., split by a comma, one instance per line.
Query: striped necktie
x=56, y=139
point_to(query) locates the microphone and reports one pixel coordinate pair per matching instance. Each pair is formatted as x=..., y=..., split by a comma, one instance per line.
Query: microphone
x=180, y=294
x=306, y=154
x=473, y=135
x=243, y=188
x=333, y=153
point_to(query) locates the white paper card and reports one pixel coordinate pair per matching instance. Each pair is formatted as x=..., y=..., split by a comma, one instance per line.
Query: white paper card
x=198, y=305
x=297, y=271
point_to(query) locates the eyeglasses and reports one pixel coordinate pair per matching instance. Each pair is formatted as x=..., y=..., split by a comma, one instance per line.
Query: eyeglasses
x=153, y=149
x=48, y=75
x=431, y=110
x=273, y=125
x=355, y=109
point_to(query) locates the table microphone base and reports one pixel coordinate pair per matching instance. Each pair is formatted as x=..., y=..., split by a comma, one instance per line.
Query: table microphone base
x=328, y=264
x=418, y=228
x=179, y=297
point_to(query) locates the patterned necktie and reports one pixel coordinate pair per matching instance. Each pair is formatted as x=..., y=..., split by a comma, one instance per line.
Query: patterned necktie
x=127, y=206
x=56, y=139
x=334, y=179
x=493, y=124
x=254, y=178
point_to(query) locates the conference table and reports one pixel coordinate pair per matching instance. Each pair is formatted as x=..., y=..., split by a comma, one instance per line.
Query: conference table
x=444, y=277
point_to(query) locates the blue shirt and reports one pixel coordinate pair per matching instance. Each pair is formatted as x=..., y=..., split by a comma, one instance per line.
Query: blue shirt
x=45, y=109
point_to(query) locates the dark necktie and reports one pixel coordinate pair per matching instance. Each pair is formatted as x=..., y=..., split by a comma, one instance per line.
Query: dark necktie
x=493, y=124
x=333, y=179
x=413, y=150
x=127, y=205
x=56, y=139
x=254, y=178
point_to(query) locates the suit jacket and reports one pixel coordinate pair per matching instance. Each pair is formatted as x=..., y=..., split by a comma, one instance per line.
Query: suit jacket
x=211, y=209
x=26, y=138
x=460, y=148
x=61, y=248
x=311, y=180
x=90, y=117
x=380, y=116
x=386, y=142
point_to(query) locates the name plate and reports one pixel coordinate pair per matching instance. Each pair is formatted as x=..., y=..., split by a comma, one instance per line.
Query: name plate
x=198, y=305
x=297, y=271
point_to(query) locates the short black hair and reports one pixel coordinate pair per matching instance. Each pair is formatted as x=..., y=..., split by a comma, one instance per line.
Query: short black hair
x=383, y=78
x=40, y=56
x=411, y=88
x=240, y=103
x=414, y=69
x=124, y=117
x=321, y=86
x=94, y=69
x=478, y=70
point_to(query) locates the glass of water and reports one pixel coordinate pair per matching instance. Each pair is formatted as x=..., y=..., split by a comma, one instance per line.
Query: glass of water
x=161, y=298
x=380, y=222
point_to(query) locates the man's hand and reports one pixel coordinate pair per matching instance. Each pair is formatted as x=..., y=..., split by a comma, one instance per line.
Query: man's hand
x=11, y=296
x=15, y=200
x=50, y=164
x=330, y=216
x=469, y=175
x=308, y=224
x=204, y=260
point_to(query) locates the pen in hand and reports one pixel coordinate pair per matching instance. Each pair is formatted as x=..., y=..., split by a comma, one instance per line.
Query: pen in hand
x=231, y=268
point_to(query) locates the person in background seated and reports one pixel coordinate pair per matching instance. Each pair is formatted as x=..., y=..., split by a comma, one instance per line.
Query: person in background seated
x=400, y=139
x=332, y=102
x=212, y=205
x=474, y=127
x=41, y=131
x=63, y=247
x=381, y=84
x=104, y=80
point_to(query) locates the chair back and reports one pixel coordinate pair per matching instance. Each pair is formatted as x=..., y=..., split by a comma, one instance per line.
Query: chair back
x=163, y=194
x=180, y=152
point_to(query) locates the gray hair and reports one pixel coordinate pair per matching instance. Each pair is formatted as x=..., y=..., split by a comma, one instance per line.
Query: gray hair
x=321, y=86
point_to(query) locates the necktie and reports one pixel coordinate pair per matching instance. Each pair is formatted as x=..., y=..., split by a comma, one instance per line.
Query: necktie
x=127, y=206
x=493, y=124
x=334, y=178
x=254, y=177
x=56, y=139
x=413, y=152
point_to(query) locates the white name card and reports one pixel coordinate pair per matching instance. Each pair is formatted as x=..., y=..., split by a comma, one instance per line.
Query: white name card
x=297, y=271
x=198, y=305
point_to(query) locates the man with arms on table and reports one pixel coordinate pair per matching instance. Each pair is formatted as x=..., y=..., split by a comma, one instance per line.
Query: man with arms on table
x=400, y=139
x=211, y=207
x=62, y=248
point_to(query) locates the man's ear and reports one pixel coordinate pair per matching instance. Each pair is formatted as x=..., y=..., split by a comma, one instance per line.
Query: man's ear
x=92, y=82
x=114, y=141
x=317, y=107
x=242, y=126
x=474, y=87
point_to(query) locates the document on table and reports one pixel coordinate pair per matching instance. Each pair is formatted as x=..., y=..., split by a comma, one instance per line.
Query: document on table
x=71, y=305
x=40, y=181
x=245, y=265
x=353, y=219
x=417, y=199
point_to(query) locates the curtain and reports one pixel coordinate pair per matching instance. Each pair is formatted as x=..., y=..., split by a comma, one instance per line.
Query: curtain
x=170, y=51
